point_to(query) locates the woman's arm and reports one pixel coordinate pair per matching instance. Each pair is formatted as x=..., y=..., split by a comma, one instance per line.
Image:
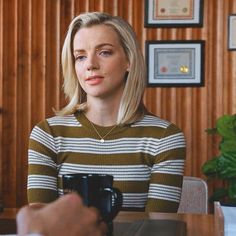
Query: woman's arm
x=42, y=167
x=167, y=172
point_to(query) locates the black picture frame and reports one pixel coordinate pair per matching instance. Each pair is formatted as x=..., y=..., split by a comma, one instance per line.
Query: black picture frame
x=232, y=32
x=175, y=63
x=192, y=15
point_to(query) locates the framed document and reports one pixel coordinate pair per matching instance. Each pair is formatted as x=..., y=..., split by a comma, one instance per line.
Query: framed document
x=175, y=63
x=232, y=32
x=173, y=13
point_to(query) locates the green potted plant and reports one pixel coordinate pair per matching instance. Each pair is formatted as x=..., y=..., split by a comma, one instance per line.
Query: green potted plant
x=223, y=166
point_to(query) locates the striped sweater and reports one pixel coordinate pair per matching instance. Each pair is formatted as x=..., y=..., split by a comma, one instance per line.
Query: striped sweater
x=146, y=159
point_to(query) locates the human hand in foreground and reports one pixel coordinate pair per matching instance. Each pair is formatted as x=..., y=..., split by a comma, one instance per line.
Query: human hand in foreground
x=65, y=216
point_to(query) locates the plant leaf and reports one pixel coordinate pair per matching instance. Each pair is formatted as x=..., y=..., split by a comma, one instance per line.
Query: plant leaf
x=211, y=131
x=210, y=167
x=232, y=189
x=228, y=146
x=226, y=167
x=226, y=126
x=218, y=194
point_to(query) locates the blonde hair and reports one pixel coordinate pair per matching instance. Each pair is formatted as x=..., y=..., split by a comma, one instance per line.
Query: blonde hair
x=131, y=106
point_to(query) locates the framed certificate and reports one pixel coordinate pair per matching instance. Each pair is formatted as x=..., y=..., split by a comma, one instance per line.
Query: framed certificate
x=232, y=32
x=175, y=63
x=173, y=13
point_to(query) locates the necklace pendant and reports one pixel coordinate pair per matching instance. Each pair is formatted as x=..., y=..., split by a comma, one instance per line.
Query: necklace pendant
x=102, y=140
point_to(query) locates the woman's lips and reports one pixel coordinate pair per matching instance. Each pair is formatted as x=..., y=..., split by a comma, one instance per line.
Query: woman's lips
x=93, y=80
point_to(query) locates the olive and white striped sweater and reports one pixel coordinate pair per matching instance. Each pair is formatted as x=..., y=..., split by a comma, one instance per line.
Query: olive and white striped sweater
x=146, y=159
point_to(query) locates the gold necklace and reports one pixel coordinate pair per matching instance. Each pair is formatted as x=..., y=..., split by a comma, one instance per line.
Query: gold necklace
x=99, y=135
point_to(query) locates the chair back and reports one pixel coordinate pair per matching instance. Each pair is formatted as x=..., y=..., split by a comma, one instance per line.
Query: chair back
x=194, y=197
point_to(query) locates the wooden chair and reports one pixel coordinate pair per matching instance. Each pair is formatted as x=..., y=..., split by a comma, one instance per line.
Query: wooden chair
x=194, y=197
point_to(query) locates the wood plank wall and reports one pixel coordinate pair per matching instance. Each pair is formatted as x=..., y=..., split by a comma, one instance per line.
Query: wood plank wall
x=31, y=37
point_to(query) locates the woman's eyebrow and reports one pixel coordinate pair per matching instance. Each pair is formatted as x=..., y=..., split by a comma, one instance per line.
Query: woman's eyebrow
x=104, y=44
x=96, y=47
x=78, y=50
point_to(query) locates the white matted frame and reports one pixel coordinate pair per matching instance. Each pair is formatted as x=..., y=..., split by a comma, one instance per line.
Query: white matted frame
x=173, y=13
x=175, y=63
x=232, y=32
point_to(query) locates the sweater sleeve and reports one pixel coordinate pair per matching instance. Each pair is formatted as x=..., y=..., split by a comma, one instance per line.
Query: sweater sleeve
x=42, y=167
x=167, y=172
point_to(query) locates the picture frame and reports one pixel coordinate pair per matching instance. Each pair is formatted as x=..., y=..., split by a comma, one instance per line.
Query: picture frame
x=175, y=63
x=173, y=13
x=232, y=32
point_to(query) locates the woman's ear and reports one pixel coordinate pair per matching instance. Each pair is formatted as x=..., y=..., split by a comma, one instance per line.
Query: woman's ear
x=128, y=68
x=127, y=65
x=126, y=75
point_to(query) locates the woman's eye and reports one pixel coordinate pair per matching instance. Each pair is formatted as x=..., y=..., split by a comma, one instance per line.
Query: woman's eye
x=80, y=58
x=105, y=53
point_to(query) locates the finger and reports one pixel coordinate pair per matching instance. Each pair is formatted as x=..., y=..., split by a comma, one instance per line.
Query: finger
x=23, y=220
x=96, y=211
x=103, y=228
x=101, y=225
x=73, y=198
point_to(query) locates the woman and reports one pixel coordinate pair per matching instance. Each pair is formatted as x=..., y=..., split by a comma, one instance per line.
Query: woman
x=105, y=127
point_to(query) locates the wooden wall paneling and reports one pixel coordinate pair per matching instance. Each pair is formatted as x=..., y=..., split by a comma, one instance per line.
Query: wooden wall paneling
x=90, y=5
x=23, y=100
x=9, y=90
x=201, y=126
x=110, y=6
x=123, y=9
x=104, y=5
x=66, y=14
x=80, y=7
x=128, y=9
x=219, y=59
x=193, y=120
x=138, y=22
x=38, y=60
x=101, y=5
x=1, y=101
x=148, y=96
x=186, y=125
x=209, y=69
x=53, y=56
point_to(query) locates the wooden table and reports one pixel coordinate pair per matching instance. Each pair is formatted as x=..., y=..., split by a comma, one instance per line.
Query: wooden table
x=197, y=224
x=8, y=221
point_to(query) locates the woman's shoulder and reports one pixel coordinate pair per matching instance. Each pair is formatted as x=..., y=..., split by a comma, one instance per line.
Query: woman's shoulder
x=152, y=121
x=66, y=120
x=156, y=123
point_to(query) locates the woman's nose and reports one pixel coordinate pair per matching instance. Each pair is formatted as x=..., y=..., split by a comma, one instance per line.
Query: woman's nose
x=92, y=63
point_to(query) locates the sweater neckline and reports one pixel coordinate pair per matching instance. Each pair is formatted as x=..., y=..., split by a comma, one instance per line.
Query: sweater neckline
x=83, y=120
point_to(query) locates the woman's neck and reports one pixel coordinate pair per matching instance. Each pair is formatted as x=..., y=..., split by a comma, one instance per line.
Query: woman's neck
x=104, y=114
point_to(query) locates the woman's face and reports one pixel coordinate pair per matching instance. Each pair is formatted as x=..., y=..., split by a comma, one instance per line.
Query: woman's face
x=100, y=61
